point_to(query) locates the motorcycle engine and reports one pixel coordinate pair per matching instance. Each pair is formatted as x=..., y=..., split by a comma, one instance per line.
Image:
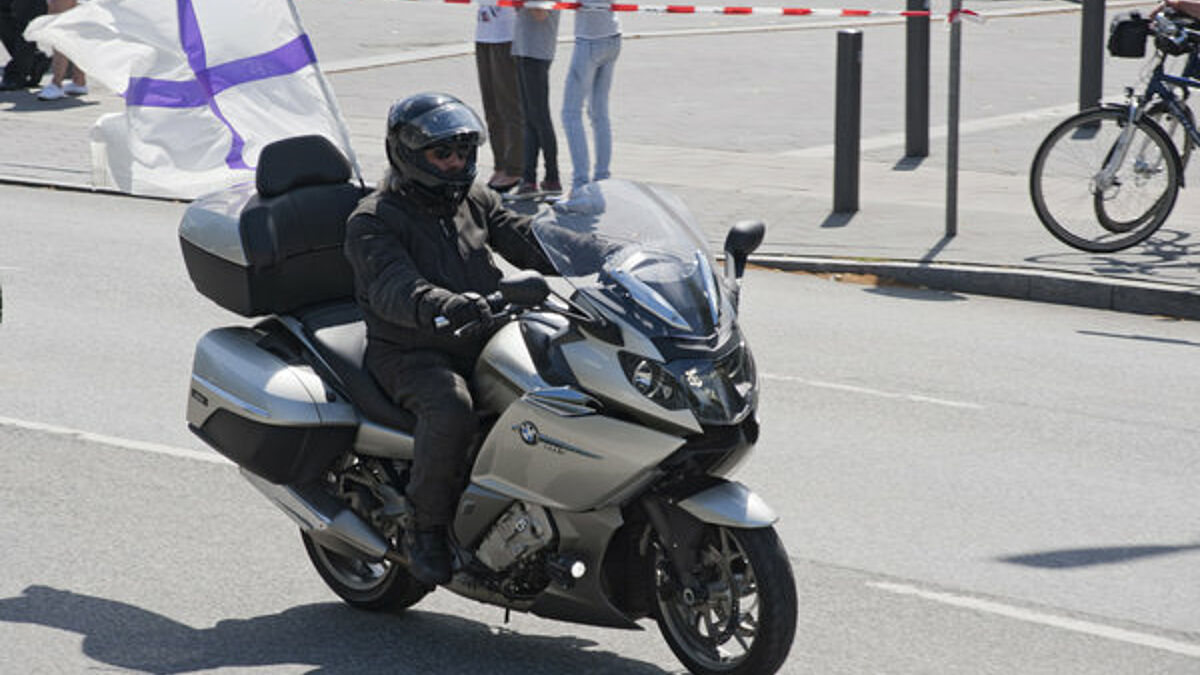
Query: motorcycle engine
x=518, y=535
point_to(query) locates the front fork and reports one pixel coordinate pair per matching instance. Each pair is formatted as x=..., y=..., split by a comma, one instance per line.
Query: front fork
x=679, y=533
x=680, y=527
x=1106, y=178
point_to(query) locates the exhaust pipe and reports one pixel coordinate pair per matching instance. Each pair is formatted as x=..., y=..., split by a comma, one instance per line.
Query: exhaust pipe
x=323, y=517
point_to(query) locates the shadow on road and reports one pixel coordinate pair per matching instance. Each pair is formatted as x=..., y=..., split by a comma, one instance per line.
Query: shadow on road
x=25, y=100
x=331, y=637
x=1088, y=557
x=1139, y=338
x=1170, y=255
x=915, y=293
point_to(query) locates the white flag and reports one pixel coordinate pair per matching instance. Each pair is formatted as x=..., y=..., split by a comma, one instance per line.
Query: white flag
x=207, y=83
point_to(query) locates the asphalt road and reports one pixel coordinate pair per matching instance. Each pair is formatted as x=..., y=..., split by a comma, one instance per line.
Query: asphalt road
x=966, y=484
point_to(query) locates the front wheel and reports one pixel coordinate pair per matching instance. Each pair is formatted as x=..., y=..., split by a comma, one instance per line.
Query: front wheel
x=1099, y=189
x=365, y=584
x=742, y=620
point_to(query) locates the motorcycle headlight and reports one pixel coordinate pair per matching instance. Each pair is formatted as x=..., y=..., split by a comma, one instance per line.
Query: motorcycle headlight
x=720, y=392
x=653, y=381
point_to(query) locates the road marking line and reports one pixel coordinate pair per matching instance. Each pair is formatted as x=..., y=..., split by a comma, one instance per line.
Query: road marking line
x=918, y=398
x=1030, y=616
x=980, y=125
x=113, y=441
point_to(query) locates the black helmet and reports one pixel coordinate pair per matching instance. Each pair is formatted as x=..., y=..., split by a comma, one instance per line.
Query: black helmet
x=423, y=121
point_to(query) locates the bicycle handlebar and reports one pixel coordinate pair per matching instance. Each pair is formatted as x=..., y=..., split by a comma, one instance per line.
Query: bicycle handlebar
x=1173, y=26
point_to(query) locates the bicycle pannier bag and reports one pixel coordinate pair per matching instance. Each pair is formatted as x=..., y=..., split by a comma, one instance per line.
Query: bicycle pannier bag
x=1127, y=35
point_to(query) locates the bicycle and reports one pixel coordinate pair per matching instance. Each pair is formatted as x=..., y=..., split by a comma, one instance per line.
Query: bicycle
x=1107, y=177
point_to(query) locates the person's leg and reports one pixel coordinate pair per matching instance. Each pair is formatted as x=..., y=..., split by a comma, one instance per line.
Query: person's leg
x=578, y=84
x=526, y=73
x=78, y=77
x=58, y=63
x=8, y=34
x=539, y=111
x=446, y=424
x=28, y=65
x=606, y=62
x=485, y=70
x=58, y=68
x=512, y=120
x=502, y=106
x=427, y=384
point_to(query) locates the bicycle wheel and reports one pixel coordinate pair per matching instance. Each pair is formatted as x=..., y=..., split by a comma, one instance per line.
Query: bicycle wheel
x=1079, y=206
x=1159, y=112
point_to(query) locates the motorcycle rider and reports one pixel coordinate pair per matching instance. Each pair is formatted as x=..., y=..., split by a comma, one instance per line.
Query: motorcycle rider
x=419, y=245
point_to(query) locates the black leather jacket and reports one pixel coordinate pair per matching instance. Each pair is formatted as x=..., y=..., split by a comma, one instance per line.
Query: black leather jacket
x=408, y=261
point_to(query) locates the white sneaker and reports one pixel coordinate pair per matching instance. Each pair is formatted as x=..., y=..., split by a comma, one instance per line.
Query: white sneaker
x=585, y=199
x=72, y=89
x=51, y=92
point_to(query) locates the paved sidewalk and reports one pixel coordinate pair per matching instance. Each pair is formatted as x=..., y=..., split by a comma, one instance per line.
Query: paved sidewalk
x=736, y=116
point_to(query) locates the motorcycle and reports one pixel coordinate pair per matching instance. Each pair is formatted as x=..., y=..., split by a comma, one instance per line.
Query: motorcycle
x=614, y=400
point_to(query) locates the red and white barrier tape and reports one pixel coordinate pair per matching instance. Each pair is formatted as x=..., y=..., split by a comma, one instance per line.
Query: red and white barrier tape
x=706, y=9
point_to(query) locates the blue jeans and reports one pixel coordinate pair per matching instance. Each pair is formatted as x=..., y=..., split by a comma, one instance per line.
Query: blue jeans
x=590, y=79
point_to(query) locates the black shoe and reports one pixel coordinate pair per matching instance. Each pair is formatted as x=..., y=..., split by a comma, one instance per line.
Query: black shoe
x=428, y=555
x=505, y=187
x=12, y=83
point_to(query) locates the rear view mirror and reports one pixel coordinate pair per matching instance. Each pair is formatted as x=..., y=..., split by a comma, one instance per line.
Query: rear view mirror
x=527, y=288
x=743, y=238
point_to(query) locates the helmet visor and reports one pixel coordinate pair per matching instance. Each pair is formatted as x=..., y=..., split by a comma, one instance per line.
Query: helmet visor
x=442, y=124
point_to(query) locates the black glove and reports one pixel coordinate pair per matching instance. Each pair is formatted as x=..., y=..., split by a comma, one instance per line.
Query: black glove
x=469, y=311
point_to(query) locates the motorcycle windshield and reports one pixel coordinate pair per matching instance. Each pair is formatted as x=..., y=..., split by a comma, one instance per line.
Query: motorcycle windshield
x=638, y=252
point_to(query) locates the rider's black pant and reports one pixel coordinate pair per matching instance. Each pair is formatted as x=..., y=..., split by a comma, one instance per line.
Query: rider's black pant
x=432, y=386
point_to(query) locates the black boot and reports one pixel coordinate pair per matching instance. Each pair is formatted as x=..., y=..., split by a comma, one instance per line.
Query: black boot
x=428, y=555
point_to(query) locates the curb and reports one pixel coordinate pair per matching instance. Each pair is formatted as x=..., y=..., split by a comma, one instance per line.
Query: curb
x=1005, y=281
x=79, y=187
x=1020, y=283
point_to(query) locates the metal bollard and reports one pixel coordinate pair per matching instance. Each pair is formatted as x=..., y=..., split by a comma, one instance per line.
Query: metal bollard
x=847, y=121
x=1091, y=54
x=952, y=111
x=916, y=79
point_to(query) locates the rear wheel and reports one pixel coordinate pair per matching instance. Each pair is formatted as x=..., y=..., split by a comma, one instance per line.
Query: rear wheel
x=365, y=584
x=743, y=620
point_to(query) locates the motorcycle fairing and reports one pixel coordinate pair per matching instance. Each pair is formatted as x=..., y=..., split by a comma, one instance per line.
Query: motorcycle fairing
x=594, y=364
x=528, y=457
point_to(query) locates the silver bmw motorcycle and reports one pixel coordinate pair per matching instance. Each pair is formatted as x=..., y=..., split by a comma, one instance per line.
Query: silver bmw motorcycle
x=615, y=402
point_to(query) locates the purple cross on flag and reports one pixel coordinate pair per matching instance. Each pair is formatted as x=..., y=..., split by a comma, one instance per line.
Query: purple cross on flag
x=206, y=83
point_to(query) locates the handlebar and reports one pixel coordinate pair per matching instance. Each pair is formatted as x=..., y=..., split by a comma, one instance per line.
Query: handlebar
x=528, y=291
x=1176, y=28
x=497, y=305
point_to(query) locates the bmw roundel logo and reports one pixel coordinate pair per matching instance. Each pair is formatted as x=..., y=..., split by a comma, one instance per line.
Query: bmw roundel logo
x=528, y=432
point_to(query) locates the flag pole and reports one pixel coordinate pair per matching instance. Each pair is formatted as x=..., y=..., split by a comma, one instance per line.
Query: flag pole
x=330, y=99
